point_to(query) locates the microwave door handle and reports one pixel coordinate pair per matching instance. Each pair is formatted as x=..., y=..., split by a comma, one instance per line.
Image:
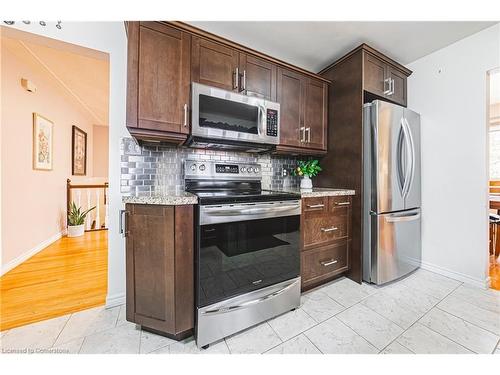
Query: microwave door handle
x=262, y=120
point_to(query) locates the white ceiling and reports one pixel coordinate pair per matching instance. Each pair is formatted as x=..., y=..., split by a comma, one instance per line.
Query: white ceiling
x=81, y=74
x=314, y=45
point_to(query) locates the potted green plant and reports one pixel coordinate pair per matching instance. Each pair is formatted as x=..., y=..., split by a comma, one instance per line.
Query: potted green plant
x=76, y=220
x=306, y=170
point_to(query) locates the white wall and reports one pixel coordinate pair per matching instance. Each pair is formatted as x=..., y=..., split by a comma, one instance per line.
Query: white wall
x=109, y=37
x=449, y=89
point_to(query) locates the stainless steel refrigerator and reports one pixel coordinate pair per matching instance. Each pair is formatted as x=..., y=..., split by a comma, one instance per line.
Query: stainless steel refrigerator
x=391, y=192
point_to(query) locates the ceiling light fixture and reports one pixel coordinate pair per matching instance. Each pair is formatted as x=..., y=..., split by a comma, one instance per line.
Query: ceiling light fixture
x=26, y=22
x=59, y=25
x=9, y=22
x=43, y=23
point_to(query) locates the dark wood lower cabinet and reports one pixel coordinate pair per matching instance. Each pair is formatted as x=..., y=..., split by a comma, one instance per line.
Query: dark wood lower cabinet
x=159, y=267
x=325, y=238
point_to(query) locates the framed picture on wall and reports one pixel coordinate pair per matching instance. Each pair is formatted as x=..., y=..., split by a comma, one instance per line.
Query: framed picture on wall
x=79, y=152
x=43, y=136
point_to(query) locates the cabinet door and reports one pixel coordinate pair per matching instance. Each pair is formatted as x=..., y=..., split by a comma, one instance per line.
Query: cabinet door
x=163, y=78
x=290, y=95
x=150, y=266
x=315, y=114
x=258, y=77
x=375, y=73
x=214, y=64
x=399, y=86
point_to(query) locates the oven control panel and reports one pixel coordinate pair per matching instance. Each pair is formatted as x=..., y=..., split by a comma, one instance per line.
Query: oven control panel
x=200, y=169
x=226, y=168
x=272, y=123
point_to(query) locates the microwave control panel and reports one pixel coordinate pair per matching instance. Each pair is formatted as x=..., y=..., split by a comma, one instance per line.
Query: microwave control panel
x=272, y=123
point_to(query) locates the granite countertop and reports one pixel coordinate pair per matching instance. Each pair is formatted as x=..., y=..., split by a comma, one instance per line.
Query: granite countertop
x=173, y=199
x=320, y=192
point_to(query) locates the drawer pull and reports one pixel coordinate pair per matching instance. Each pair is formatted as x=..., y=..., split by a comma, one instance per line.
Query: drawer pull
x=315, y=205
x=329, y=229
x=328, y=263
x=342, y=203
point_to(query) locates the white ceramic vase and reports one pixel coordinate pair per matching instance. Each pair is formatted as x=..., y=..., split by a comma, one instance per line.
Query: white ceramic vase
x=306, y=183
x=76, y=230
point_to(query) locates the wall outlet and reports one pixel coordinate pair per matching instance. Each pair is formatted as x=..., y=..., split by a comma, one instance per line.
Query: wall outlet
x=284, y=172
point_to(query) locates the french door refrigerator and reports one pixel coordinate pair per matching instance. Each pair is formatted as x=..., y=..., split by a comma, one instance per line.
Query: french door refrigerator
x=391, y=192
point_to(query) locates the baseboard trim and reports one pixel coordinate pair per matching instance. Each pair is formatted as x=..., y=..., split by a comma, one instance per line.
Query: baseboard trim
x=23, y=257
x=115, y=300
x=483, y=284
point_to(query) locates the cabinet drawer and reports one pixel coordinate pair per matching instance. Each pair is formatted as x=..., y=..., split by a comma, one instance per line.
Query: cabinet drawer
x=340, y=205
x=325, y=229
x=314, y=207
x=324, y=262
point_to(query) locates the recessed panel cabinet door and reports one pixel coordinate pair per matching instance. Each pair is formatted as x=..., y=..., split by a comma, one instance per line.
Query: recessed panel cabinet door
x=163, y=78
x=150, y=266
x=315, y=120
x=291, y=98
x=214, y=65
x=258, y=77
x=374, y=75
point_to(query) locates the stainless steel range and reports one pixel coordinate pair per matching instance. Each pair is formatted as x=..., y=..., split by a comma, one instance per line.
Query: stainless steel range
x=247, y=249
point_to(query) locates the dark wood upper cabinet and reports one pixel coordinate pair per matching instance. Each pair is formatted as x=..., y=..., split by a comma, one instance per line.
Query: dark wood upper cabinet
x=159, y=268
x=158, y=90
x=291, y=99
x=165, y=57
x=303, y=105
x=257, y=77
x=384, y=79
x=214, y=64
x=315, y=114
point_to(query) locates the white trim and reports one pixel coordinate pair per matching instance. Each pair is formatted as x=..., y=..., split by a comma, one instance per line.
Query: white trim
x=115, y=300
x=483, y=284
x=23, y=257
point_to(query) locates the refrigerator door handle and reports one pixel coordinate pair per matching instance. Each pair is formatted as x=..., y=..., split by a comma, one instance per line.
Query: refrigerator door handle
x=408, y=157
x=411, y=153
x=394, y=218
x=399, y=153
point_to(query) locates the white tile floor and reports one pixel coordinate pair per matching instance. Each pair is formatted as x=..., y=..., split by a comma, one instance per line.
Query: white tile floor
x=423, y=313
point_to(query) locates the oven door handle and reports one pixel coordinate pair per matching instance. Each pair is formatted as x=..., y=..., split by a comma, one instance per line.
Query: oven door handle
x=250, y=211
x=225, y=309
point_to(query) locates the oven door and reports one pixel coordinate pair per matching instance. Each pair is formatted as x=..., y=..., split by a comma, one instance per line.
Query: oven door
x=225, y=115
x=245, y=247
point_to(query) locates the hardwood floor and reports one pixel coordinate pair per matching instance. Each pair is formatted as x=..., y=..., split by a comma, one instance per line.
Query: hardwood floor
x=494, y=274
x=67, y=276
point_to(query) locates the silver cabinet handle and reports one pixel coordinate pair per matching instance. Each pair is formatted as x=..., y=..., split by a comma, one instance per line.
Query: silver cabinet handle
x=302, y=134
x=185, y=115
x=391, y=86
x=244, y=80
x=123, y=223
x=342, y=203
x=331, y=229
x=308, y=130
x=236, y=78
x=329, y=263
x=315, y=205
x=388, y=81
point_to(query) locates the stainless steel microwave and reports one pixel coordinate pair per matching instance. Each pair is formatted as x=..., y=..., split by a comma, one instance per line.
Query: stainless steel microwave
x=225, y=117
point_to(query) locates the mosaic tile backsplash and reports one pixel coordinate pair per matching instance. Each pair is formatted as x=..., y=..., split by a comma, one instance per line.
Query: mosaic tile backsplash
x=153, y=169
